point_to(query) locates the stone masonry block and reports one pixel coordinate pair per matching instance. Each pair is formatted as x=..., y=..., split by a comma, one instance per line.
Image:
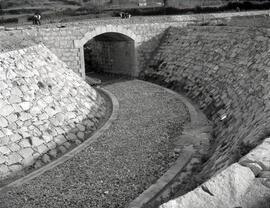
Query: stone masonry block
x=26, y=152
x=3, y=159
x=60, y=139
x=36, y=141
x=3, y=122
x=14, y=158
x=4, y=171
x=4, y=150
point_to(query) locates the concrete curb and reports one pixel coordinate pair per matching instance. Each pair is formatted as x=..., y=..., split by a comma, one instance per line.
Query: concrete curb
x=184, y=158
x=73, y=152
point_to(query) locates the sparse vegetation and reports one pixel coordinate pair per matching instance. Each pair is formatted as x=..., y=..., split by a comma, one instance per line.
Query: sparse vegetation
x=9, y=20
x=60, y=10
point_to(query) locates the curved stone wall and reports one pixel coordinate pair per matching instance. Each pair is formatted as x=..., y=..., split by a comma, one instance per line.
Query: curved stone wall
x=226, y=71
x=43, y=105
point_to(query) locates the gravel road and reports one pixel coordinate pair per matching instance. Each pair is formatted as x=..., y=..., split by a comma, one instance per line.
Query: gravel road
x=121, y=164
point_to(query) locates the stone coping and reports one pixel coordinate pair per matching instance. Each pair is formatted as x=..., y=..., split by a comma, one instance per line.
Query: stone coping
x=242, y=184
x=184, y=158
x=140, y=20
x=73, y=152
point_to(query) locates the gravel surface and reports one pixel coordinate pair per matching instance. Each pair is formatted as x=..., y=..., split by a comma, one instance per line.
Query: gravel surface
x=121, y=164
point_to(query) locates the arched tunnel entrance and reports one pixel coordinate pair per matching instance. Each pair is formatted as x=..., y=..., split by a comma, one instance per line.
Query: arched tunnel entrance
x=110, y=53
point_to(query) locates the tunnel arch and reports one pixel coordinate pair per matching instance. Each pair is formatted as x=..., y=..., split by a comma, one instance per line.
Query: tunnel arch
x=106, y=29
x=110, y=52
x=103, y=30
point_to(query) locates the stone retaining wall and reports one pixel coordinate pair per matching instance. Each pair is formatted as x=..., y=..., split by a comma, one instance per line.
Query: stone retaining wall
x=43, y=105
x=226, y=71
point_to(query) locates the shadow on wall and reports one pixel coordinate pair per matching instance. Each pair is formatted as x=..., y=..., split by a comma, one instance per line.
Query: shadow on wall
x=224, y=70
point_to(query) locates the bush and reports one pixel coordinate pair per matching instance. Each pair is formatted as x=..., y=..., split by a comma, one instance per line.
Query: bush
x=9, y=20
x=231, y=6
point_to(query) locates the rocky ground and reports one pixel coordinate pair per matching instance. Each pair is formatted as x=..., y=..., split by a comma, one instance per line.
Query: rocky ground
x=121, y=164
